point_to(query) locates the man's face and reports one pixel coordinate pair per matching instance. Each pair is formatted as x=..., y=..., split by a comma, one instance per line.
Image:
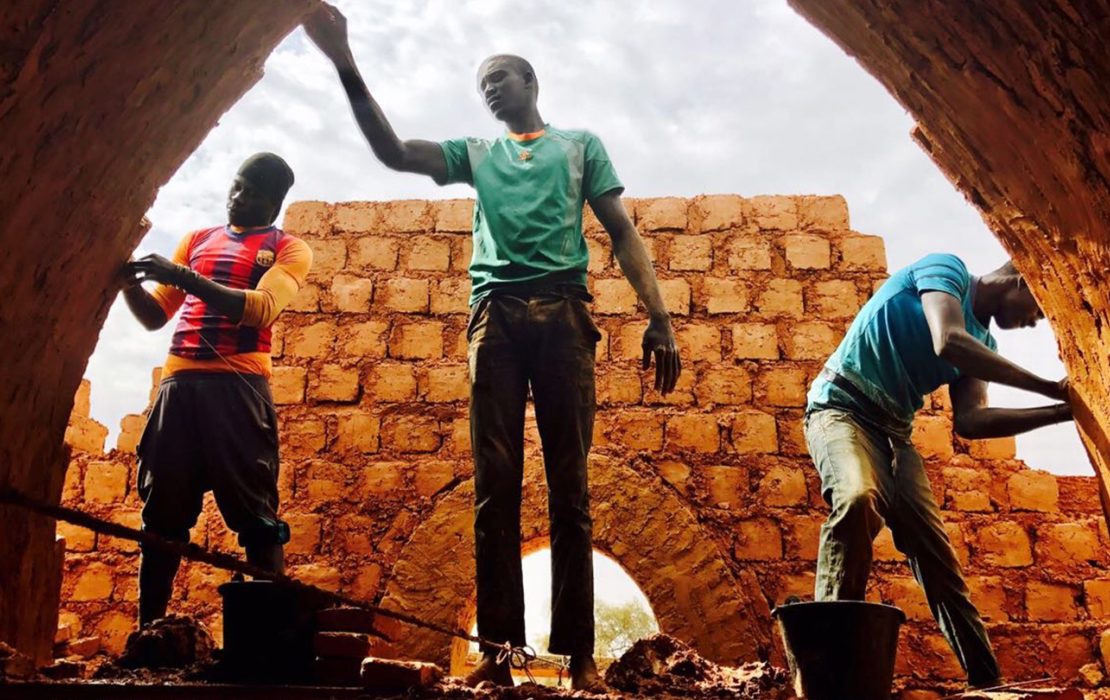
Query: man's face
x=1018, y=309
x=505, y=90
x=246, y=206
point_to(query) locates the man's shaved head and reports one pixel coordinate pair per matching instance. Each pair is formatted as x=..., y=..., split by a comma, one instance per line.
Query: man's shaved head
x=508, y=86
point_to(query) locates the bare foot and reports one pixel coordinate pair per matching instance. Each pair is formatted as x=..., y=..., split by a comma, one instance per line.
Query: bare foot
x=583, y=674
x=490, y=670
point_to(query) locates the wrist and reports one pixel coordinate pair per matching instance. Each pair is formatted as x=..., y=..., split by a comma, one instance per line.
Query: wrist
x=659, y=316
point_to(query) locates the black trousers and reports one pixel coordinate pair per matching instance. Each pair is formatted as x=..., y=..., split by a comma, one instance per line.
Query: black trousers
x=212, y=431
x=545, y=341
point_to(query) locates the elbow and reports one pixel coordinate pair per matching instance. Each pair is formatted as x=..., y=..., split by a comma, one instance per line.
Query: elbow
x=969, y=427
x=946, y=345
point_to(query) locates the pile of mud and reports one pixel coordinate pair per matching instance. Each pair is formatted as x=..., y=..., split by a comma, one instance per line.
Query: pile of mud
x=172, y=648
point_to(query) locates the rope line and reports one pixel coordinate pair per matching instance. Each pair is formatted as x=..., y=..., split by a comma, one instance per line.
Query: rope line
x=518, y=657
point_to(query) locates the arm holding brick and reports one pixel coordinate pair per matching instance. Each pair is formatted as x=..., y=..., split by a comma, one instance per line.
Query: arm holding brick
x=628, y=247
x=973, y=419
x=327, y=28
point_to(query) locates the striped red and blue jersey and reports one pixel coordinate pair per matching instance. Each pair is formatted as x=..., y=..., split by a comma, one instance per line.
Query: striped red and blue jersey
x=235, y=260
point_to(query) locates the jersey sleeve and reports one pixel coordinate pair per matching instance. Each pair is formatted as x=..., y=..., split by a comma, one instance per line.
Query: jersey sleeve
x=598, y=176
x=279, y=285
x=457, y=154
x=942, y=273
x=171, y=298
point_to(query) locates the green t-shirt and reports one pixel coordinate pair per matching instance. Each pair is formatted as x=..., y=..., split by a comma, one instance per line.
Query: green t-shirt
x=528, y=213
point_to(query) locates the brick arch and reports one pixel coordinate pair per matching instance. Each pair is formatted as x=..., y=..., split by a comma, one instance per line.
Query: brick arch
x=638, y=521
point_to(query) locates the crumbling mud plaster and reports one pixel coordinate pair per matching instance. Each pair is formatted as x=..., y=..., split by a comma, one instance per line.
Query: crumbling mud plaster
x=100, y=102
x=1012, y=100
x=376, y=477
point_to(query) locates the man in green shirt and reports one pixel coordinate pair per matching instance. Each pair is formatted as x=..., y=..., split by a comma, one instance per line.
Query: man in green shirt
x=530, y=327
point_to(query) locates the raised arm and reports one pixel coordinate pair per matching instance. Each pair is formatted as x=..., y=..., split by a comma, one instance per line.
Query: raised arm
x=659, y=340
x=953, y=343
x=327, y=28
x=973, y=419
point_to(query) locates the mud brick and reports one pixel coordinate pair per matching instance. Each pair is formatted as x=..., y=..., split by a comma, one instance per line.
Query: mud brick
x=754, y=432
x=328, y=256
x=749, y=252
x=375, y=253
x=357, y=431
x=78, y=539
x=932, y=435
x=448, y=383
x=407, y=216
x=803, y=540
x=1005, y=544
x=326, y=577
x=755, y=341
x=105, y=482
x=1068, y=544
x=862, y=253
x=1033, y=490
x=620, y=385
x=691, y=253
x=85, y=647
x=727, y=486
x=86, y=435
x=614, y=296
x=1050, y=602
x=131, y=430
x=81, y=405
x=416, y=433
x=822, y=213
x=393, y=381
x=783, y=486
x=96, y=582
x=774, y=212
x=303, y=437
x=311, y=340
x=639, y=430
x=462, y=251
x=719, y=212
x=306, y=300
x=352, y=294
x=699, y=342
x=428, y=253
x=725, y=385
x=311, y=219
x=759, y=539
x=362, y=340
x=357, y=217
x=988, y=593
x=1096, y=597
x=727, y=296
x=335, y=383
x=451, y=296
x=806, y=251
x=832, y=299
x=600, y=255
x=782, y=386
x=453, y=215
x=417, y=341
x=811, y=341
x=676, y=296
x=676, y=474
x=699, y=433
x=662, y=214
x=391, y=674
x=883, y=548
x=430, y=478
x=993, y=448
x=905, y=592
x=405, y=295
x=781, y=297
x=304, y=531
x=343, y=645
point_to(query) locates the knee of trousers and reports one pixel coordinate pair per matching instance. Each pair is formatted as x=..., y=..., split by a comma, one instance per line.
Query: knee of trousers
x=858, y=509
x=261, y=534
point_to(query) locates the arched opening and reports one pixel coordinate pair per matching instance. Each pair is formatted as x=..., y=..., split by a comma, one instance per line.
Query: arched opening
x=622, y=614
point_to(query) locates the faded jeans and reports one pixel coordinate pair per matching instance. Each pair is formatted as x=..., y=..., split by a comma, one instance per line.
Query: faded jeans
x=545, y=341
x=868, y=477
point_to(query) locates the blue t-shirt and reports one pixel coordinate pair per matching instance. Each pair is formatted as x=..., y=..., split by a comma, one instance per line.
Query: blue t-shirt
x=888, y=351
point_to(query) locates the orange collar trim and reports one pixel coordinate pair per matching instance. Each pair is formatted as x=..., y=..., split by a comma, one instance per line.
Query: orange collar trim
x=527, y=137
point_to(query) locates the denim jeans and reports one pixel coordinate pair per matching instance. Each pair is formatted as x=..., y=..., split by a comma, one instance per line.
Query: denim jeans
x=868, y=477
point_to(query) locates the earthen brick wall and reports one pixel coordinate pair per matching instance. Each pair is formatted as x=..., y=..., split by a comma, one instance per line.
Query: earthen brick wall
x=370, y=379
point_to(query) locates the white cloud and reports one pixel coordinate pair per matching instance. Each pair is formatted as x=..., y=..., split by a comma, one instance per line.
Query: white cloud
x=689, y=98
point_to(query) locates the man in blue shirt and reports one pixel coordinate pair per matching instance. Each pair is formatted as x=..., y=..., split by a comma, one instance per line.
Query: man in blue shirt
x=927, y=326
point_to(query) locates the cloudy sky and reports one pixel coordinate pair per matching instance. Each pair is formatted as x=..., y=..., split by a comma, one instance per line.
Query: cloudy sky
x=716, y=96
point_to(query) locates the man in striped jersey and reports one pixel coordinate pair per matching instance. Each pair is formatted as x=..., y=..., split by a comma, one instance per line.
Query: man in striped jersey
x=213, y=424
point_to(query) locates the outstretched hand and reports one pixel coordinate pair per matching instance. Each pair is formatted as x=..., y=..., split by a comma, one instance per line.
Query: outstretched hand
x=327, y=28
x=155, y=268
x=659, y=342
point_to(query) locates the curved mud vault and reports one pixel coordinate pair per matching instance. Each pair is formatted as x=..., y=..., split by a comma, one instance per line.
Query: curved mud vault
x=1012, y=100
x=638, y=522
x=100, y=102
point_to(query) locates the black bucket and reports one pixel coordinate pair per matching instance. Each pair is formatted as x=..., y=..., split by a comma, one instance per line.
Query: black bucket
x=269, y=631
x=840, y=650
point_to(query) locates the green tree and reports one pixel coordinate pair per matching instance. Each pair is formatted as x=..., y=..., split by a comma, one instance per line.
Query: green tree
x=618, y=627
